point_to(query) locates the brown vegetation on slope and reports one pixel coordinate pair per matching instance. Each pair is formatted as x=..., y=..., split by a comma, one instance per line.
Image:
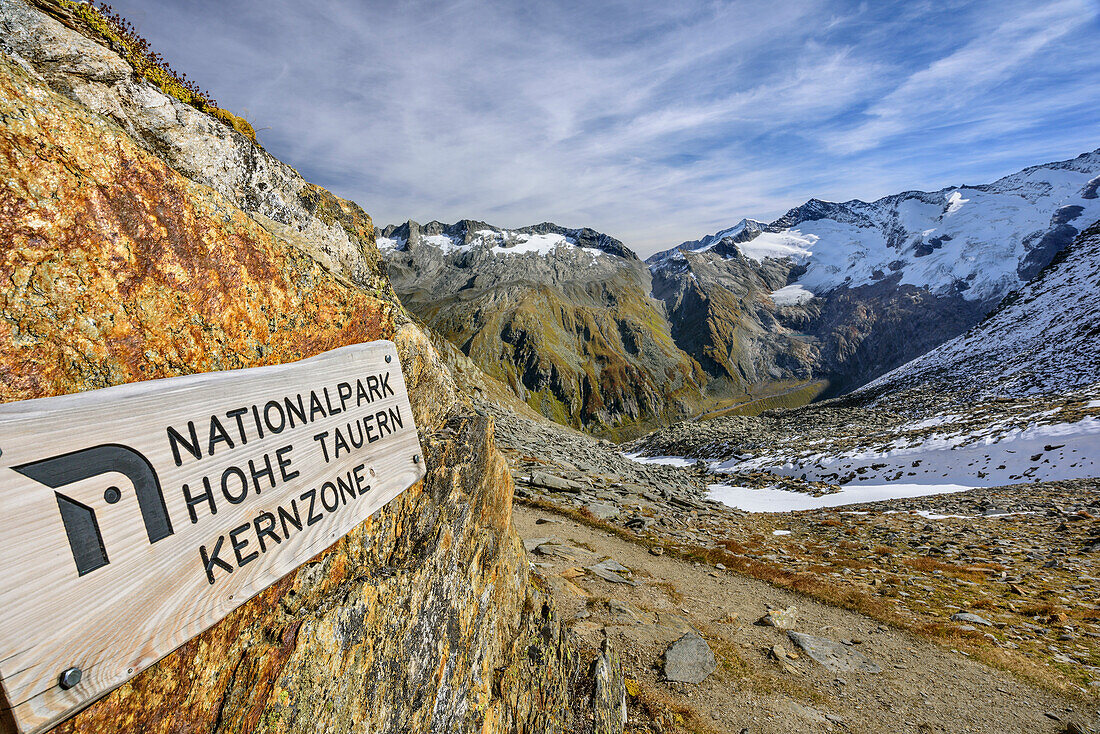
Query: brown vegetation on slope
x=103, y=24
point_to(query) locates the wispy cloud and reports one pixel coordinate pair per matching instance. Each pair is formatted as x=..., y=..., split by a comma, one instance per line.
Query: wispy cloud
x=652, y=121
x=943, y=93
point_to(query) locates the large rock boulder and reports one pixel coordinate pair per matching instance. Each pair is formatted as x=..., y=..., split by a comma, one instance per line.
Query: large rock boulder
x=139, y=247
x=689, y=659
x=835, y=656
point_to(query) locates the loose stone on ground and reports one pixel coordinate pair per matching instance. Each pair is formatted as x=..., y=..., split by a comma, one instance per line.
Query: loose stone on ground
x=689, y=660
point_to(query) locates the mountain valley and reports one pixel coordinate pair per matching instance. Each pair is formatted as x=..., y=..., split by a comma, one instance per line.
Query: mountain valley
x=563, y=317
x=821, y=301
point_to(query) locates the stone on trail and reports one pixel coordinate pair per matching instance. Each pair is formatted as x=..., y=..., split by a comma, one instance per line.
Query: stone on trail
x=564, y=585
x=549, y=481
x=612, y=571
x=623, y=613
x=833, y=655
x=566, y=552
x=781, y=656
x=689, y=660
x=530, y=544
x=602, y=511
x=784, y=619
x=970, y=619
x=728, y=618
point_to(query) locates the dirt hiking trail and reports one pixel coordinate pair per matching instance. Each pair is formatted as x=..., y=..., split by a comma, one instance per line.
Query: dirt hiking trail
x=762, y=682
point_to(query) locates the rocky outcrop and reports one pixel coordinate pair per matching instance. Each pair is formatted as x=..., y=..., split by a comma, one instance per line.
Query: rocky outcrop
x=118, y=268
x=721, y=314
x=201, y=148
x=143, y=240
x=563, y=317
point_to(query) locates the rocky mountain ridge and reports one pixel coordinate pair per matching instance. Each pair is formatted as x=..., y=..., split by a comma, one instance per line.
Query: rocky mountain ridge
x=847, y=291
x=725, y=240
x=467, y=234
x=983, y=240
x=819, y=302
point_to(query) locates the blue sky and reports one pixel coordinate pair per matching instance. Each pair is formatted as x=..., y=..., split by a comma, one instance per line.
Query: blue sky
x=655, y=122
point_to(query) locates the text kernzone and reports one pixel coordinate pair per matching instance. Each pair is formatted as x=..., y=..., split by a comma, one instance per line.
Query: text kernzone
x=205, y=439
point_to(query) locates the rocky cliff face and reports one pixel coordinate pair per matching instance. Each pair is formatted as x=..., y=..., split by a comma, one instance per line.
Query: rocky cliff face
x=721, y=315
x=144, y=239
x=563, y=317
x=747, y=326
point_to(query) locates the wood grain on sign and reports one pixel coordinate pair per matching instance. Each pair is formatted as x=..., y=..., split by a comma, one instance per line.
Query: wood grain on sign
x=135, y=517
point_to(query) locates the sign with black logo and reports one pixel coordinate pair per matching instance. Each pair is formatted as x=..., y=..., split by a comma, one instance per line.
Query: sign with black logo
x=135, y=517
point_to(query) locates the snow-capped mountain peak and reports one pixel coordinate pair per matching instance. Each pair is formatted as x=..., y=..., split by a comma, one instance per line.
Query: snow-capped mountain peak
x=976, y=241
x=724, y=241
x=466, y=236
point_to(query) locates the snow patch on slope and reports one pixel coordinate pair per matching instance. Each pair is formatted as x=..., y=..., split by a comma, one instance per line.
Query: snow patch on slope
x=992, y=457
x=541, y=245
x=792, y=244
x=1043, y=338
x=770, y=499
x=791, y=295
x=955, y=201
x=390, y=243
x=992, y=444
x=446, y=243
x=498, y=242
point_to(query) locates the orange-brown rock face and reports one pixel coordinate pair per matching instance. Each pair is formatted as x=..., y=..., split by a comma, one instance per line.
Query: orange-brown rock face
x=116, y=267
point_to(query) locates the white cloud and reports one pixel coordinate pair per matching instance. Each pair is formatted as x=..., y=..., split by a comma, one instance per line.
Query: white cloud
x=652, y=121
x=937, y=94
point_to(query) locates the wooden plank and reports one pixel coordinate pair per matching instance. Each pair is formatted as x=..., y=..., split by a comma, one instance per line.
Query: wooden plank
x=137, y=516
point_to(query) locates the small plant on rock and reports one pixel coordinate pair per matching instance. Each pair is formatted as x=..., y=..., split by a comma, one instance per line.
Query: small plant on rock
x=104, y=24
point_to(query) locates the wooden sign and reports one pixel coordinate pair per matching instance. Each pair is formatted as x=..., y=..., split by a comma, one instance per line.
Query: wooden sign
x=135, y=517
